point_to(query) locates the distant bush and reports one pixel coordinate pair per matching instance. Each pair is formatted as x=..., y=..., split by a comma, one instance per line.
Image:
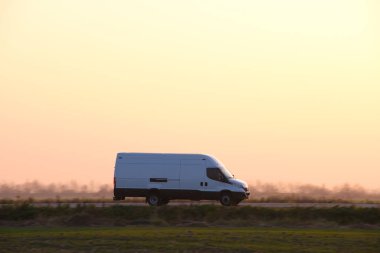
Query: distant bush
x=19, y=212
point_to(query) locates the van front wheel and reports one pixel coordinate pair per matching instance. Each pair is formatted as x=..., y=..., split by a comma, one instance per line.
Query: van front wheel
x=153, y=199
x=226, y=199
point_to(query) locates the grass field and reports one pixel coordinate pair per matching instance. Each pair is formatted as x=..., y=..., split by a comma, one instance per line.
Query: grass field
x=185, y=239
x=205, y=228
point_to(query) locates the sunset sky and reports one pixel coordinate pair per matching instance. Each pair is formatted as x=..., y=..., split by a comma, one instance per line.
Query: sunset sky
x=279, y=91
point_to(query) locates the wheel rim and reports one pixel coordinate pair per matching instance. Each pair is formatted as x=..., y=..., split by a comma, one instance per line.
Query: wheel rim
x=153, y=200
x=226, y=199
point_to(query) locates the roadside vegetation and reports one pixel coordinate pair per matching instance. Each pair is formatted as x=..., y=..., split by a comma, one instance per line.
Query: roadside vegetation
x=200, y=215
x=84, y=201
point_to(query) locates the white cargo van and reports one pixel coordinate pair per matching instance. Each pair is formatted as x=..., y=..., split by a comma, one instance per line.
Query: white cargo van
x=163, y=177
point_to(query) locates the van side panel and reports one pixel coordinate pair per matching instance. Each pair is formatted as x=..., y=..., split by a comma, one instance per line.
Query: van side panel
x=137, y=173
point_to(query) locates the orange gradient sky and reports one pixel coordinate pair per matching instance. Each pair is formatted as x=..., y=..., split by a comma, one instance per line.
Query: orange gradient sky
x=280, y=91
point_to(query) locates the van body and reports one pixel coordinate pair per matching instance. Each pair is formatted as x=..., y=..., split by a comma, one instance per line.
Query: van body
x=163, y=177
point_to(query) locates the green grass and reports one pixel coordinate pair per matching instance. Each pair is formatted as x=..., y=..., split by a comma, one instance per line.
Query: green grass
x=185, y=239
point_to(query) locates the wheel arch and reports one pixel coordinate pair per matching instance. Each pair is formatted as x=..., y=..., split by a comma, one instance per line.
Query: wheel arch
x=153, y=190
x=224, y=191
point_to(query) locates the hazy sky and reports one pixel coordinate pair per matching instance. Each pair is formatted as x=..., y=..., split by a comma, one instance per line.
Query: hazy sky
x=279, y=91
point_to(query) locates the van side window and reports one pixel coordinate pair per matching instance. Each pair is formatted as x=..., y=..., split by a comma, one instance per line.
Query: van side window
x=215, y=174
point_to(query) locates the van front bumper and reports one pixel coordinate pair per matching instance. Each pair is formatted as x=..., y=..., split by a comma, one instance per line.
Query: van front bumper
x=240, y=195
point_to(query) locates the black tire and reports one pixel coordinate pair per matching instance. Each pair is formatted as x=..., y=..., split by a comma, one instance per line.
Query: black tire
x=226, y=199
x=153, y=199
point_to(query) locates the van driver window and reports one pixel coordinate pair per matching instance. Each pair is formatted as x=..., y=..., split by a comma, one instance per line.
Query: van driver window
x=215, y=174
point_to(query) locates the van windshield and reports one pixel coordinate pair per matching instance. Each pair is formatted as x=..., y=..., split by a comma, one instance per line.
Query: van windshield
x=226, y=172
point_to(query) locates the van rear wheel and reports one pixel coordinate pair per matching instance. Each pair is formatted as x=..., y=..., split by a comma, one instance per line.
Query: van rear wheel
x=153, y=199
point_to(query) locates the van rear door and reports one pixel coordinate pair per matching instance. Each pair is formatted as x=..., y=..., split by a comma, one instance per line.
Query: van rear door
x=192, y=178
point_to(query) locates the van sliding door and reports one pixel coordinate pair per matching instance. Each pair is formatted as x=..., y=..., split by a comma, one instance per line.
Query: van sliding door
x=191, y=176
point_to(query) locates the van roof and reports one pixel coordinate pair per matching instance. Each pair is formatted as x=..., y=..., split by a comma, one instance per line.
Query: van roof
x=159, y=154
x=210, y=158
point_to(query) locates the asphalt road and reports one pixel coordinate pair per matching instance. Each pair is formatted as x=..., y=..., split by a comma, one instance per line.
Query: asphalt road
x=189, y=203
